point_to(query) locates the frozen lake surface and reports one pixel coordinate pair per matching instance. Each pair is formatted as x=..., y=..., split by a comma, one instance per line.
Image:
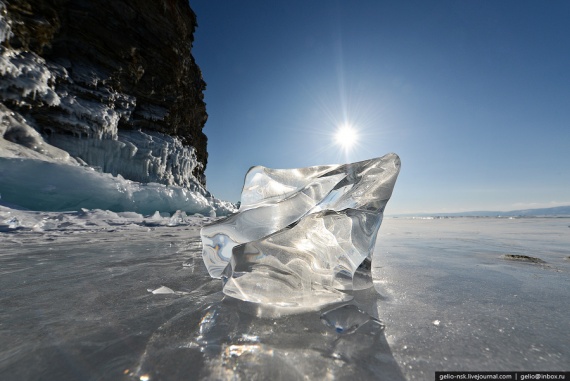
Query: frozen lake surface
x=129, y=299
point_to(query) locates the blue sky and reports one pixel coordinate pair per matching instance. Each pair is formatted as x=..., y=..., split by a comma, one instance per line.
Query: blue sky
x=473, y=95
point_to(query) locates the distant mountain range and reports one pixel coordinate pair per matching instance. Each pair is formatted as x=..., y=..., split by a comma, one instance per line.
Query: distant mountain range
x=558, y=211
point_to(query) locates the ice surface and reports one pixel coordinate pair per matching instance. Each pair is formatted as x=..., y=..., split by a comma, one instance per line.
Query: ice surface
x=447, y=281
x=301, y=234
x=76, y=304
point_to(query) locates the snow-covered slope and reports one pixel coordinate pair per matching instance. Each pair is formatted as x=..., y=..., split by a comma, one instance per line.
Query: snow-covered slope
x=42, y=185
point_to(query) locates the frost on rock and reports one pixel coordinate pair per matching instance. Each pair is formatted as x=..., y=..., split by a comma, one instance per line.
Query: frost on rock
x=301, y=235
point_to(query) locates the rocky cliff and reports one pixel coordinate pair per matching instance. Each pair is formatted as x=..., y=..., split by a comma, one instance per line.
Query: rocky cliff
x=112, y=82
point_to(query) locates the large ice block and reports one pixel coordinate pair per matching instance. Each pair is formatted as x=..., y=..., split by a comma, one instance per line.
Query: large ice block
x=301, y=234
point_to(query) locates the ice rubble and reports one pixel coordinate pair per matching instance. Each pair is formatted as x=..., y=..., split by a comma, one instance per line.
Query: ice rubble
x=84, y=220
x=302, y=234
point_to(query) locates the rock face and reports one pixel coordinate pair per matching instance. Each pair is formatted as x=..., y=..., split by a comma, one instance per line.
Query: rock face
x=102, y=70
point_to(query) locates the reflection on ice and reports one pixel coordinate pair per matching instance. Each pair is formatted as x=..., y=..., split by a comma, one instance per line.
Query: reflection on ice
x=216, y=338
x=347, y=319
x=302, y=234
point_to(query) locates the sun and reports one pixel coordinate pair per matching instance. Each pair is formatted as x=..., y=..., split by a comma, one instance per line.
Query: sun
x=346, y=136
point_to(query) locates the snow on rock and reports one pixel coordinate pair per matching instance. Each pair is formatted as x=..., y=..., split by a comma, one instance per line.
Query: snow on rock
x=5, y=28
x=20, y=140
x=29, y=82
x=25, y=75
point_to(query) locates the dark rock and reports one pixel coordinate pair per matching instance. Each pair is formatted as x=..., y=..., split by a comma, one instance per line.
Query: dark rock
x=129, y=60
x=522, y=258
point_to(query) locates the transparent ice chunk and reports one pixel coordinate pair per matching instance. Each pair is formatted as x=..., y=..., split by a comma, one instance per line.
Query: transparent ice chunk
x=301, y=235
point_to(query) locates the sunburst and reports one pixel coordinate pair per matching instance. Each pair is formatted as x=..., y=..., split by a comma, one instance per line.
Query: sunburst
x=346, y=136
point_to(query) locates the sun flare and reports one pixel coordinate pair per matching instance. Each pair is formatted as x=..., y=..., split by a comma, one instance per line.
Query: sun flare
x=346, y=136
